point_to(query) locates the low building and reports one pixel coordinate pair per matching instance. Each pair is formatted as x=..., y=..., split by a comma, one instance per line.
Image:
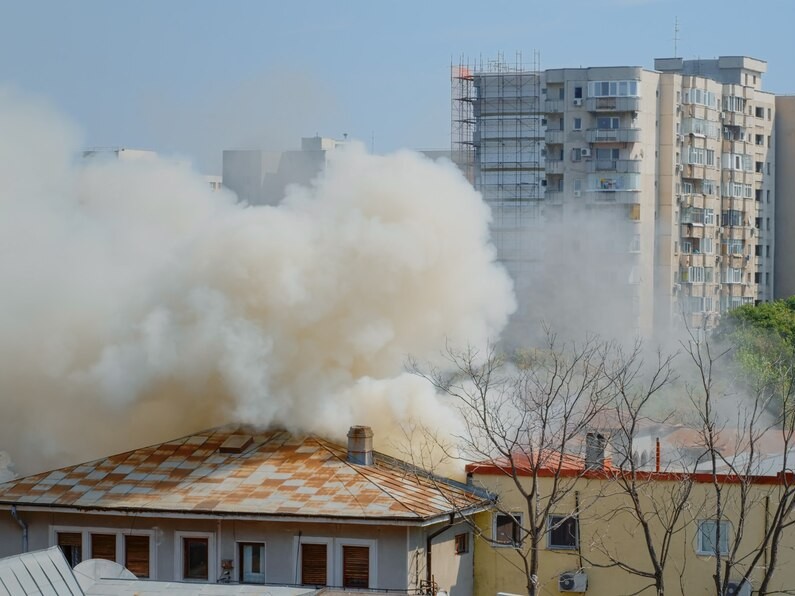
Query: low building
x=238, y=504
x=592, y=539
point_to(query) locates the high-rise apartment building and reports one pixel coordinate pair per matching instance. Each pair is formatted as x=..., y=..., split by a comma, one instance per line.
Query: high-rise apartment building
x=652, y=194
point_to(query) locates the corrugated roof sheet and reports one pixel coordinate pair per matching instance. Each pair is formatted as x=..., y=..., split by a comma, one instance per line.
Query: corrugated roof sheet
x=38, y=573
x=276, y=474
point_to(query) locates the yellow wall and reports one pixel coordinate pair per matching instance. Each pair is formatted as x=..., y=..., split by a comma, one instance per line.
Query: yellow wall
x=605, y=523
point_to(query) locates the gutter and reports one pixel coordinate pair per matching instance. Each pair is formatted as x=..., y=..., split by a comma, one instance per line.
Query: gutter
x=22, y=525
x=428, y=545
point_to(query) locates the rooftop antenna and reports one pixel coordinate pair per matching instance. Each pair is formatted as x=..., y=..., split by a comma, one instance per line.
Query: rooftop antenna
x=676, y=36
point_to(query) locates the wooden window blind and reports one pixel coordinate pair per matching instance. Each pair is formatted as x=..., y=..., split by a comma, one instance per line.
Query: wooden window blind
x=195, y=558
x=355, y=567
x=103, y=546
x=313, y=564
x=136, y=555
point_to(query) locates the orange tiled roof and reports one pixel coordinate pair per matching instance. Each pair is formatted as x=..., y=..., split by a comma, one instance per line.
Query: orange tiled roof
x=545, y=462
x=276, y=474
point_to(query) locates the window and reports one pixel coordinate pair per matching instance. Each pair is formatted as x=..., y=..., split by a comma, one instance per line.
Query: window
x=713, y=537
x=461, y=543
x=251, y=562
x=577, y=124
x=634, y=212
x=563, y=532
x=355, y=566
x=196, y=558
x=136, y=554
x=71, y=544
x=608, y=122
x=578, y=93
x=314, y=564
x=507, y=528
x=131, y=549
x=613, y=89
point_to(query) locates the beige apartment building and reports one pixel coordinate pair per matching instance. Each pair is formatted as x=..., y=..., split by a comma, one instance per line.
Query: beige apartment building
x=657, y=200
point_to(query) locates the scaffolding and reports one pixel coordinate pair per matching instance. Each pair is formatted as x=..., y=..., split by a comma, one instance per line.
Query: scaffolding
x=497, y=129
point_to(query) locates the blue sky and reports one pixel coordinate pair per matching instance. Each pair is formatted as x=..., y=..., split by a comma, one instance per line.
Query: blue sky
x=193, y=76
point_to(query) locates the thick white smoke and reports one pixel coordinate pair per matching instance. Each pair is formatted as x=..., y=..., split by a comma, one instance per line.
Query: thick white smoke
x=138, y=305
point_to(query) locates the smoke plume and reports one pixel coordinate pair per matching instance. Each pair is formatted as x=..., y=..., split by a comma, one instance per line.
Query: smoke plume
x=138, y=305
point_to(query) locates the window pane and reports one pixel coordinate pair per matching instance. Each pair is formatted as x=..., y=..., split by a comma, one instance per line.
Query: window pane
x=196, y=558
x=136, y=555
x=103, y=546
x=562, y=532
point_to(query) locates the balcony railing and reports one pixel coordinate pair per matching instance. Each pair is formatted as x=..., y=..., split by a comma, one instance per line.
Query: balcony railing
x=554, y=166
x=552, y=106
x=553, y=137
x=625, y=197
x=621, y=166
x=612, y=104
x=612, y=135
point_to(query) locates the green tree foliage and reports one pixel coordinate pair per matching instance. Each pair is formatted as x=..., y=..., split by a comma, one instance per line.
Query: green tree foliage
x=764, y=338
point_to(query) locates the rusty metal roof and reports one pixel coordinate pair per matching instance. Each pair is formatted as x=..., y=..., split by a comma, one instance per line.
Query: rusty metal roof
x=273, y=474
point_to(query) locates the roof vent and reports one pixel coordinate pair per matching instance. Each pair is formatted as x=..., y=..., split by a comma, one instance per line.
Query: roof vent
x=235, y=444
x=360, y=445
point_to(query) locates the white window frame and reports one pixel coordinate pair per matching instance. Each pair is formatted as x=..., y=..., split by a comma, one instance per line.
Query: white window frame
x=239, y=564
x=518, y=517
x=120, y=533
x=212, y=572
x=711, y=552
x=330, y=558
x=371, y=544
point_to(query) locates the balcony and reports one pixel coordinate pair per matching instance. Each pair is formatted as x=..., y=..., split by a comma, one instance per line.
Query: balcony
x=612, y=135
x=554, y=166
x=689, y=230
x=735, y=119
x=553, y=106
x=553, y=137
x=621, y=166
x=612, y=104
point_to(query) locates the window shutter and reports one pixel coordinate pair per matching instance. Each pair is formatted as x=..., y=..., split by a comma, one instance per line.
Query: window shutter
x=136, y=555
x=103, y=546
x=313, y=564
x=355, y=567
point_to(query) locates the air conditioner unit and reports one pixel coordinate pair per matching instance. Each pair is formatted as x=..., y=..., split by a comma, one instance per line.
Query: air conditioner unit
x=678, y=168
x=577, y=193
x=718, y=259
x=585, y=152
x=678, y=138
x=738, y=588
x=578, y=101
x=573, y=581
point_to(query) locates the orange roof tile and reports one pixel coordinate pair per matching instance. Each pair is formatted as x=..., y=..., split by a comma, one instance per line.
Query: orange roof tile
x=276, y=474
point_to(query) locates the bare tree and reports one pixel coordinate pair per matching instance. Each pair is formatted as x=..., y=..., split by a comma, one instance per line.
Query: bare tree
x=743, y=478
x=525, y=419
x=657, y=507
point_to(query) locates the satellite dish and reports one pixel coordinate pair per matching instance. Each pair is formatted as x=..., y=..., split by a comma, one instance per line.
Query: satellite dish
x=91, y=571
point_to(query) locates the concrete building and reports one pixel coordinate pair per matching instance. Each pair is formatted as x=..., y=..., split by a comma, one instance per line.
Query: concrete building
x=651, y=192
x=238, y=504
x=261, y=177
x=785, y=205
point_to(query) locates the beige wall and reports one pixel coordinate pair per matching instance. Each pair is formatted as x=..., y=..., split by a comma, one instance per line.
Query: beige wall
x=607, y=526
x=785, y=200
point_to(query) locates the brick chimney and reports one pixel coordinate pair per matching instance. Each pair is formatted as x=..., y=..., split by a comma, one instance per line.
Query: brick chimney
x=595, y=444
x=360, y=445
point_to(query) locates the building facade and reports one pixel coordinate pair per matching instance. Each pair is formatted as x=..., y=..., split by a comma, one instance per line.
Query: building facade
x=785, y=205
x=652, y=193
